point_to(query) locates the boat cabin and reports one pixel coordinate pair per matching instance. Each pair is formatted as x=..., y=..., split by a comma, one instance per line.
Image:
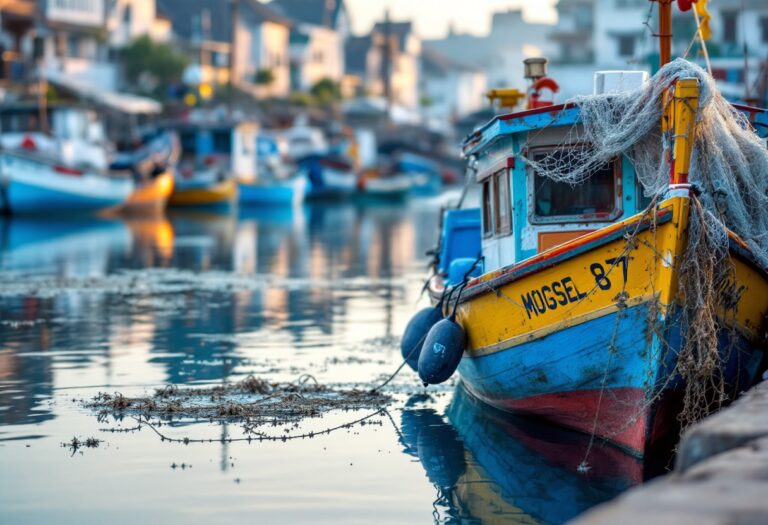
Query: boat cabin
x=522, y=213
x=221, y=150
x=73, y=135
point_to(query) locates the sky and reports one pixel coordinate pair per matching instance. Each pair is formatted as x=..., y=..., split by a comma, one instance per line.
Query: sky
x=433, y=17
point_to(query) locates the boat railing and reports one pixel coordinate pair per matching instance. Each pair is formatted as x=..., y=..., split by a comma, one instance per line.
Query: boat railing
x=56, y=163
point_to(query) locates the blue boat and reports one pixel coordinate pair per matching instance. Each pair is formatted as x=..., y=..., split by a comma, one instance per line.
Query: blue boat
x=330, y=177
x=63, y=170
x=289, y=192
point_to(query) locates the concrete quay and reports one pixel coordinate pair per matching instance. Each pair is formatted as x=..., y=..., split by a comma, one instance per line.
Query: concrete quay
x=720, y=475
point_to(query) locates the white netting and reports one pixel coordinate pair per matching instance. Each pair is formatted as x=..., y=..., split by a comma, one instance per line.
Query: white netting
x=729, y=168
x=729, y=164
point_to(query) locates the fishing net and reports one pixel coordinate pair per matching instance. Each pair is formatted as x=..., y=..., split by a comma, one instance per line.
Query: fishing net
x=729, y=171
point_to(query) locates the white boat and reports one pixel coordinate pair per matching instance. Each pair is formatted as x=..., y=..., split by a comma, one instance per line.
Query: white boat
x=58, y=166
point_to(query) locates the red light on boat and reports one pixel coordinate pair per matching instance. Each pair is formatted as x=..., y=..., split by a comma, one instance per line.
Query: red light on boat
x=67, y=171
x=28, y=143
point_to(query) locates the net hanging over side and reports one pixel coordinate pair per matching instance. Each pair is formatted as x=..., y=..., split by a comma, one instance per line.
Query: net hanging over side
x=729, y=169
x=729, y=164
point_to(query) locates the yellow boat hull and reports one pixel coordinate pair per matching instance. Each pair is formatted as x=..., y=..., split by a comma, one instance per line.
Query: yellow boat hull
x=587, y=333
x=221, y=193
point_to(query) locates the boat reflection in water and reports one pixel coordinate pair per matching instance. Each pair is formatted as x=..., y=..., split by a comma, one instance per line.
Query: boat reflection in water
x=489, y=466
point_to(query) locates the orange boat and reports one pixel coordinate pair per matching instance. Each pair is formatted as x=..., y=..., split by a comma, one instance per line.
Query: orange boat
x=150, y=196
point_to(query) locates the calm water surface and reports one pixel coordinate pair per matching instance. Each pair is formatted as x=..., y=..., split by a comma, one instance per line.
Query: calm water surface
x=90, y=306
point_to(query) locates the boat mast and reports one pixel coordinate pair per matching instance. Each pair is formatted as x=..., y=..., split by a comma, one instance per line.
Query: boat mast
x=665, y=32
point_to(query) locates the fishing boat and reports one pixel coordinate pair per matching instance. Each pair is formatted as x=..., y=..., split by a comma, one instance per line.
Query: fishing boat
x=204, y=176
x=151, y=194
x=287, y=192
x=56, y=161
x=424, y=174
x=330, y=176
x=376, y=185
x=620, y=287
x=275, y=182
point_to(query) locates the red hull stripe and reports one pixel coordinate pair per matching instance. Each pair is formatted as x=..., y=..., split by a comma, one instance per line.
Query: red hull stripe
x=622, y=420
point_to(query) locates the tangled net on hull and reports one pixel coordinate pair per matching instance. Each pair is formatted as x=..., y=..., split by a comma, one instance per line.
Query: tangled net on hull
x=729, y=168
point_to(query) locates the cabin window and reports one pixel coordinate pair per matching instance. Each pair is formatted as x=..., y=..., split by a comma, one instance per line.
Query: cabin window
x=188, y=141
x=502, y=203
x=594, y=199
x=487, y=209
x=222, y=142
x=497, y=205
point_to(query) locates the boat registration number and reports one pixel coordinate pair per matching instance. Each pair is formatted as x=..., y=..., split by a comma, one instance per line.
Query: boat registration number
x=563, y=292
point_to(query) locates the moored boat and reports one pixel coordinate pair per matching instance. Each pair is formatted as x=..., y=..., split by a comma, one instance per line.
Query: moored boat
x=205, y=174
x=289, y=192
x=330, y=177
x=56, y=166
x=151, y=195
x=603, y=310
x=385, y=187
x=197, y=193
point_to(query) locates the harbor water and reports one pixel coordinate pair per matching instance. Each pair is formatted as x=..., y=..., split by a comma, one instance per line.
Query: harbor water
x=197, y=299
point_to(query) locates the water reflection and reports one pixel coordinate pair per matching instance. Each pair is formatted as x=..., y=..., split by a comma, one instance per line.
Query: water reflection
x=489, y=467
x=197, y=296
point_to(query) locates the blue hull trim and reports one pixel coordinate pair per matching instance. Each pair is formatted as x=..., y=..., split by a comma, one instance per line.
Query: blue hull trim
x=582, y=373
x=26, y=198
x=267, y=195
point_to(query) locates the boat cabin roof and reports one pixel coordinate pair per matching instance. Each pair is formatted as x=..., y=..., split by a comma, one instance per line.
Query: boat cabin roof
x=565, y=115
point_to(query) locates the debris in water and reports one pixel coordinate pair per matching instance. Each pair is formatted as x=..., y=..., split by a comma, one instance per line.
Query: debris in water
x=253, y=400
x=76, y=444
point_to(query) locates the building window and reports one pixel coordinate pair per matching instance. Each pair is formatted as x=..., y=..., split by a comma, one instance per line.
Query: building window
x=593, y=199
x=730, y=22
x=626, y=45
x=502, y=203
x=73, y=46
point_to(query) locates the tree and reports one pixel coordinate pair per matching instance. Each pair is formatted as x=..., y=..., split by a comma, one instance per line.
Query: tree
x=326, y=91
x=149, y=62
x=264, y=77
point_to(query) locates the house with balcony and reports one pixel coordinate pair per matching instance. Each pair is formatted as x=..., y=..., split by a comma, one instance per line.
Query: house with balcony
x=243, y=42
x=72, y=42
x=72, y=45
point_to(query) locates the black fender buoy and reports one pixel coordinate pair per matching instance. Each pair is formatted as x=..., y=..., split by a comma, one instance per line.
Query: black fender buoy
x=416, y=333
x=442, y=351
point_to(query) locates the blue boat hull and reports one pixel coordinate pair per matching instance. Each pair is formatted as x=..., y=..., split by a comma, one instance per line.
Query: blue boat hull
x=286, y=193
x=568, y=376
x=30, y=186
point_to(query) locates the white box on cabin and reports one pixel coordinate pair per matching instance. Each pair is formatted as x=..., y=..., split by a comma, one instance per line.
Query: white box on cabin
x=618, y=81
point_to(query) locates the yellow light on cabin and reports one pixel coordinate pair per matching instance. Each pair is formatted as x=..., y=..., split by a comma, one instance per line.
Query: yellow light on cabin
x=206, y=91
x=508, y=98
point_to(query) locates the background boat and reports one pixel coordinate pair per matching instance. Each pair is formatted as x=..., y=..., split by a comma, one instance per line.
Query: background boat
x=150, y=195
